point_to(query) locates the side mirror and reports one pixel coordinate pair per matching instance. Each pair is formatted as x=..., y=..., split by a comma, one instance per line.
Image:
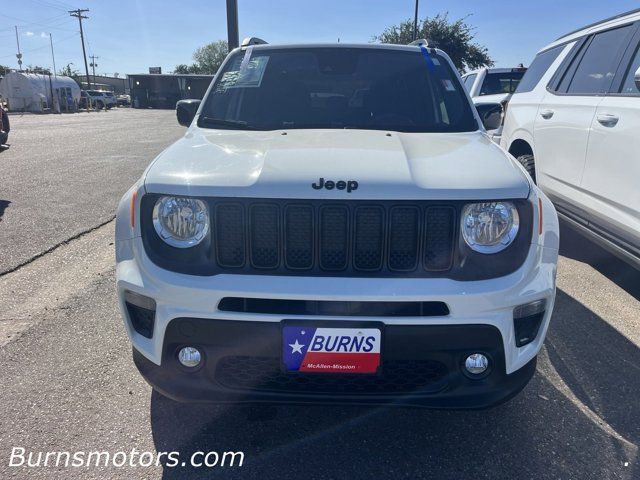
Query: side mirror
x=186, y=110
x=490, y=115
x=636, y=78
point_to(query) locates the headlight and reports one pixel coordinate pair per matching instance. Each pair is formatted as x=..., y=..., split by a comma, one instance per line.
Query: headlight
x=181, y=222
x=489, y=227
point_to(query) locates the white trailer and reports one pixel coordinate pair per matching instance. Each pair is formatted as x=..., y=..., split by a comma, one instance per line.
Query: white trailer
x=32, y=92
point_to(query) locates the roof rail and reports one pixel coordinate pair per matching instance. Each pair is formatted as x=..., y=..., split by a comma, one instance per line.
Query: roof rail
x=595, y=24
x=423, y=42
x=252, y=41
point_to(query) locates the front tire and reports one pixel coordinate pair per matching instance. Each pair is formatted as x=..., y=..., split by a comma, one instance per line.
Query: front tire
x=528, y=162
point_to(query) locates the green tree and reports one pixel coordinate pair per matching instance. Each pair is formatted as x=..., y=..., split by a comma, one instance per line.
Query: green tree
x=184, y=68
x=71, y=72
x=453, y=37
x=4, y=70
x=207, y=59
x=38, y=69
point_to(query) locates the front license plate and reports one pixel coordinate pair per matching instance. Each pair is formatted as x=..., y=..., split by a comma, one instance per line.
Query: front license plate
x=331, y=350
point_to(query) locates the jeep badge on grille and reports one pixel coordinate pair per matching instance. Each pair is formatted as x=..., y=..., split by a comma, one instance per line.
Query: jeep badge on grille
x=349, y=185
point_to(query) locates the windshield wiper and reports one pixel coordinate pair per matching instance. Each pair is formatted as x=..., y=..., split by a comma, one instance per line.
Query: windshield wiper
x=239, y=124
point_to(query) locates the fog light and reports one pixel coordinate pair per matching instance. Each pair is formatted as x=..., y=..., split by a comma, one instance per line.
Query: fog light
x=476, y=364
x=189, y=357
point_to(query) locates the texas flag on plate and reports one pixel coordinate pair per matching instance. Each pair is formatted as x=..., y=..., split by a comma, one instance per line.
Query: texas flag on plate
x=331, y=350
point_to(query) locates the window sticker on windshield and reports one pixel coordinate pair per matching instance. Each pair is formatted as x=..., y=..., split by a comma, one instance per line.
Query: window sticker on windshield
x=448, y=85
x=249, y=74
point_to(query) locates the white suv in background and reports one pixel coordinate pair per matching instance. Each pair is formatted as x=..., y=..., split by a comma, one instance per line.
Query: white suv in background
x=493, y=85
x=574, y=124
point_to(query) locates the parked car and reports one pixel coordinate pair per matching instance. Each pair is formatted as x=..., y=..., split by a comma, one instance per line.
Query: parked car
x=110, y=99
x=493, y=85
x=332, y=231
x=96, y=98
x=573, y=123
x=123, y=100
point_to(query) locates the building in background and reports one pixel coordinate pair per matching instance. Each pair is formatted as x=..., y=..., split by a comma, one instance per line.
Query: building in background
x=117, y=85
x=163, y=91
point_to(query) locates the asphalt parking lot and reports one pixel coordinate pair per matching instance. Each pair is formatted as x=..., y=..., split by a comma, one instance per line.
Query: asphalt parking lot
x=68, y=381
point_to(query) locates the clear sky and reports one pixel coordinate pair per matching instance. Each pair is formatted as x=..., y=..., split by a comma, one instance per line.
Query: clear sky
x=129, y=36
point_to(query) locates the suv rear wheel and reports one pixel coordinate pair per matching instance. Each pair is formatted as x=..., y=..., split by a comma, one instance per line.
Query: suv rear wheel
x=528, y=163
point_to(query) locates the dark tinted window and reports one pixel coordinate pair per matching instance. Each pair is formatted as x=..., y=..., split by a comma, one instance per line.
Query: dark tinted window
x=496, y=83
x=629, y=85
x=366, y=88
x=468, y=81
x=598, y=65
x=538, y=68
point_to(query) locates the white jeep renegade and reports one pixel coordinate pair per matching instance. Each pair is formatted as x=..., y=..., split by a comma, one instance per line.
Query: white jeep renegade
x=336, y=226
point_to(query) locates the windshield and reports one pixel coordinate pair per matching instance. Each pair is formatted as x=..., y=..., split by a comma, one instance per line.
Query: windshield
x=496, y=83
x=363, y=88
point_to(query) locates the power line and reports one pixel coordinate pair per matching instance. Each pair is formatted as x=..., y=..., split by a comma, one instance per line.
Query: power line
x=53, y=22
x=52, y=4
x=38, y=22
x=78, y=13
x=43, y=46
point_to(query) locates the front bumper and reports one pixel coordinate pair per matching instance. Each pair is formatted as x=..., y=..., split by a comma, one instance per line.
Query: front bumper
x=421, y=366
x=475, y=308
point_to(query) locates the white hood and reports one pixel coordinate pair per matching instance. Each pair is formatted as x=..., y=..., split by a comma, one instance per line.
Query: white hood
x=275, y=164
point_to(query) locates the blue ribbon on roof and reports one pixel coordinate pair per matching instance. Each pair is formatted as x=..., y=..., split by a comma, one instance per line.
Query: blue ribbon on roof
x=427, y=57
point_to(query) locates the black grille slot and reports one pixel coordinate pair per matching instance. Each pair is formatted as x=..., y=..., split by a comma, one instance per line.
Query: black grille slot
x=230, y=236
x=264, y=374
x=298, y=237
x=438, y=250
x=330, y=307
x=265, y=234
x=334, y=237
x=403, y=239
x=369, y=238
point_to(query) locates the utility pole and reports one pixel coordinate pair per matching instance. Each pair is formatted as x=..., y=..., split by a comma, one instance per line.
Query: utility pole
x=93, y=65
x=18, y=55
x=78, y=14
x=53, y=58
x=54, y=103
x=233, y=38
x=415, y=23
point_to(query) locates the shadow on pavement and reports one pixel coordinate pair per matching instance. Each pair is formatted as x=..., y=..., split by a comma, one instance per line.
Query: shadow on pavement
x=3, y=206
x=600, y=366
x=575, y=246
x=578, y=418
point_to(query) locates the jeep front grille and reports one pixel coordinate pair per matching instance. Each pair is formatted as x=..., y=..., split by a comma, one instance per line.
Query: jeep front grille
x=335, y=238
x=350, y=237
